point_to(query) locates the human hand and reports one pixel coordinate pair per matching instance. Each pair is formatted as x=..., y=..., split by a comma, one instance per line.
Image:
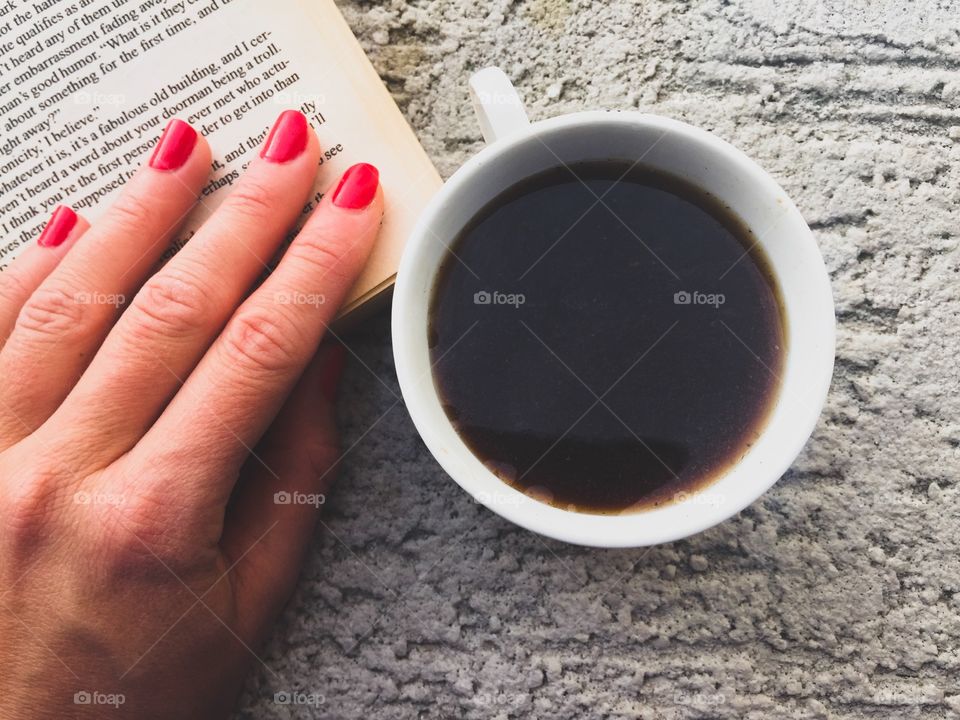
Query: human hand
x=144, y=547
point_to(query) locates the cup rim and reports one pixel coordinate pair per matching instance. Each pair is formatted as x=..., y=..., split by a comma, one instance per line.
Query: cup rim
x=624, y=530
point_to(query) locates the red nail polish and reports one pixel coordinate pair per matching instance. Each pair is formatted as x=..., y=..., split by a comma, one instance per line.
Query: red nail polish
x=332, y=370
x=357, y=187
x=58, y=227
x=174, y=147
x=287, y=138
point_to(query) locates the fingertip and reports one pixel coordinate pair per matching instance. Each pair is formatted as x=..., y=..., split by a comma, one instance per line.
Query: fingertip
x=291, y=136
x=202, y=152
x=314, y=149
x=175, y=146
x=358, y=187
x=182, y=152
x=58, y=227
x=64, y=226
x=378, y=201
x=81, y=226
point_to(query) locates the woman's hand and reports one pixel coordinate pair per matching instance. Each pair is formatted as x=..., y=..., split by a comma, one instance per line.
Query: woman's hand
x=160, y=474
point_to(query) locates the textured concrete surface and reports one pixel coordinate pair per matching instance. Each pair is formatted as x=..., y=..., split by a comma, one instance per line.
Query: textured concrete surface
x=835, y=596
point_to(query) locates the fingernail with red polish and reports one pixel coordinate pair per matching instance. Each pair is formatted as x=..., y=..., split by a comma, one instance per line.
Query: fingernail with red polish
x=357, y=187
x=174, y=147
x=58, y=227
x=287, y=138
x=332, y=370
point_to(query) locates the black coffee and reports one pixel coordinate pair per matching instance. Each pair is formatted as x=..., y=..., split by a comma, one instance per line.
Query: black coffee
x=606, y=338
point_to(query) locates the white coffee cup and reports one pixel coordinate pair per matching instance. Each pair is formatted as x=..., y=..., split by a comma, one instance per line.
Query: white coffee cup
x=517, y=149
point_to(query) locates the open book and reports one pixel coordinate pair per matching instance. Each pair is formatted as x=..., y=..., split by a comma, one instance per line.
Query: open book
x=86, y=87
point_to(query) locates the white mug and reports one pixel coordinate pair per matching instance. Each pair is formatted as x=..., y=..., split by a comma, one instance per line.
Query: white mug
x=517, y=149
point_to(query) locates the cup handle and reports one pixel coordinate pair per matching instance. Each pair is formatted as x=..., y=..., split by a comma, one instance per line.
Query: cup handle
x=497, y=104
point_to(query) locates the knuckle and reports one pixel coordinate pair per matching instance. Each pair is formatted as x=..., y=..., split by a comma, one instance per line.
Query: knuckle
x=327, y=257
x=129, y=212
x=52, y=311
x=138, y=526
x=30, y=505
x=13, y=289
x=251, y=198
x=172, y=303
x=261, y=341
x=134, y=532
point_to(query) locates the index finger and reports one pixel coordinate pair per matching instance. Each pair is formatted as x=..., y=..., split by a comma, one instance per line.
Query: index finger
x=240, y=384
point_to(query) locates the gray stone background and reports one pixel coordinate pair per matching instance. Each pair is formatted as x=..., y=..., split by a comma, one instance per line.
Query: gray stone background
x=837, y=595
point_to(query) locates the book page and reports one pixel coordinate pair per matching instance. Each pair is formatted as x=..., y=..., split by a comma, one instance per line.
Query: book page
x=86, y=87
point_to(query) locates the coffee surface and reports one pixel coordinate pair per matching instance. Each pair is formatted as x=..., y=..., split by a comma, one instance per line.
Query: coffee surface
x=606, y=339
